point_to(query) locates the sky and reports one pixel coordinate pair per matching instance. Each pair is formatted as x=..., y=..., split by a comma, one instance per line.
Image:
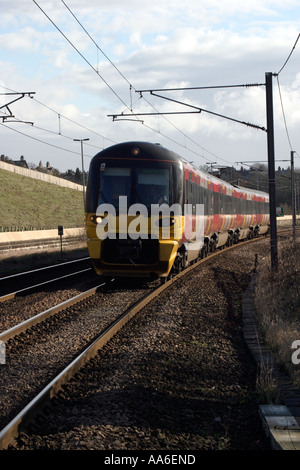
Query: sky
x=84, y=62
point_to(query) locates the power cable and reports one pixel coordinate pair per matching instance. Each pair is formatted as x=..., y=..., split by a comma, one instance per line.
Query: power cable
x=40, y=140
x=293, y=48
x=65, y=117
x=82, y=56
x=99, y=48
x=280, y=95
x=46, y=130
x=132, y=87
x=283, y=113
x=98, y=72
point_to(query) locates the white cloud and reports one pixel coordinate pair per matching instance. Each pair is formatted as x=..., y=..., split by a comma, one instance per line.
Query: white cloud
x=26, y=39
x=153, y=44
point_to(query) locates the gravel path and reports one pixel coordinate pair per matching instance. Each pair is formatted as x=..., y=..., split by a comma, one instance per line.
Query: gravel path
x=178, y=377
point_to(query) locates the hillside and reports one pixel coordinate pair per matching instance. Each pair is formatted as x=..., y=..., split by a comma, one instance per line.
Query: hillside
x=29, y=203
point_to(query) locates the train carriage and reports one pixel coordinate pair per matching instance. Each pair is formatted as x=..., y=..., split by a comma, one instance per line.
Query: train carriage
x=149, y=213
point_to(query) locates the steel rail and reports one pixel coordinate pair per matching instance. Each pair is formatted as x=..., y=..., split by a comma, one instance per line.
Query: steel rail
x=9, y=434
x=6, y=247
x=11, y=295
x=40, y=317
x=24, y=273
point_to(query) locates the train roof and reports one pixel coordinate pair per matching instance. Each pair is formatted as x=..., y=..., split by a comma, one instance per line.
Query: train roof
x=212, y=179
x=143, y=149
x=156, y=151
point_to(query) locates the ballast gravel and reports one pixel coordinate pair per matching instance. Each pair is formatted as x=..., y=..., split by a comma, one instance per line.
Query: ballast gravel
x=36, y=356
x=178, y=377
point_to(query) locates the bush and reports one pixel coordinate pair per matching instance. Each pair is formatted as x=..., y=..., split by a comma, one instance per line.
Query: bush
x=277, y=302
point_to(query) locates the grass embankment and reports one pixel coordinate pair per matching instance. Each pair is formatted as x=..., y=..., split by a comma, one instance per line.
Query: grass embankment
x=277, y=301
x=35, y=204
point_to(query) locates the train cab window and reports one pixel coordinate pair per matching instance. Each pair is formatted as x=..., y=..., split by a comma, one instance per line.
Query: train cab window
x=114, y=182
x=152, y=186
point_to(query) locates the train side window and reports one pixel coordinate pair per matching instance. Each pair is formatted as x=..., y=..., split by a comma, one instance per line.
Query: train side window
x=211, y=202
x=222, y=211
x=242, y=206
x=239, y=205
x=194, y=193
x=204, y=191
x=216, y=203
x=267, y=210
x=248, y=207
x=189, y=193
x=198, y=194
x=201, y=195
x=226, y=204
x=232, y=205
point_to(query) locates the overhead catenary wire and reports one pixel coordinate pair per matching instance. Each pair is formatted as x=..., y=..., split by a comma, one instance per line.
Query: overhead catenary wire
x=93, y=68
x=40, y=140
x=98, y=48
x=131, y=87
x=57, y=113
x=199, y=111
x=283, y=114
x=44, y=130
x=280, y=94
x=124, y=116
x=74, y=122
x=289, y=56
x=82, y=56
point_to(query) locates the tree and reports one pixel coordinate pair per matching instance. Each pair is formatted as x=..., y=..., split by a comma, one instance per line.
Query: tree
x=78, y=174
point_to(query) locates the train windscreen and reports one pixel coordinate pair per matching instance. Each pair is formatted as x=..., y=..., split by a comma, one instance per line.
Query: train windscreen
x=140, y=185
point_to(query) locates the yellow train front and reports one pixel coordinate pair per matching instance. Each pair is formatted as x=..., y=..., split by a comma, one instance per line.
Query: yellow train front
x=126, y=183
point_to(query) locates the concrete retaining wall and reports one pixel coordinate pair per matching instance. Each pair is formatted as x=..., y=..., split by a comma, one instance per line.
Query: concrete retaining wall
x=11, y=237
x=287, y=220
x=38, y=175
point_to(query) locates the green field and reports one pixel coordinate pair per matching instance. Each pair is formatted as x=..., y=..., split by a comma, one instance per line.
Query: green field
x=33, y=204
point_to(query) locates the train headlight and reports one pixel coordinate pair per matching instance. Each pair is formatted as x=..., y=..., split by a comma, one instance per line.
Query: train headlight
x=96, y=219
x=135, y=151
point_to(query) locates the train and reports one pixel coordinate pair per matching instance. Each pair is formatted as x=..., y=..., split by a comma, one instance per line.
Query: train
x=150, y=214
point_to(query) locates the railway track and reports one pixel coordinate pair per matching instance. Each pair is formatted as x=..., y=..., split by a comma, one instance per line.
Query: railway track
x=89, y=348
x=24, y=282
x=37, y=244
x=41, y=317
x=39, y=348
